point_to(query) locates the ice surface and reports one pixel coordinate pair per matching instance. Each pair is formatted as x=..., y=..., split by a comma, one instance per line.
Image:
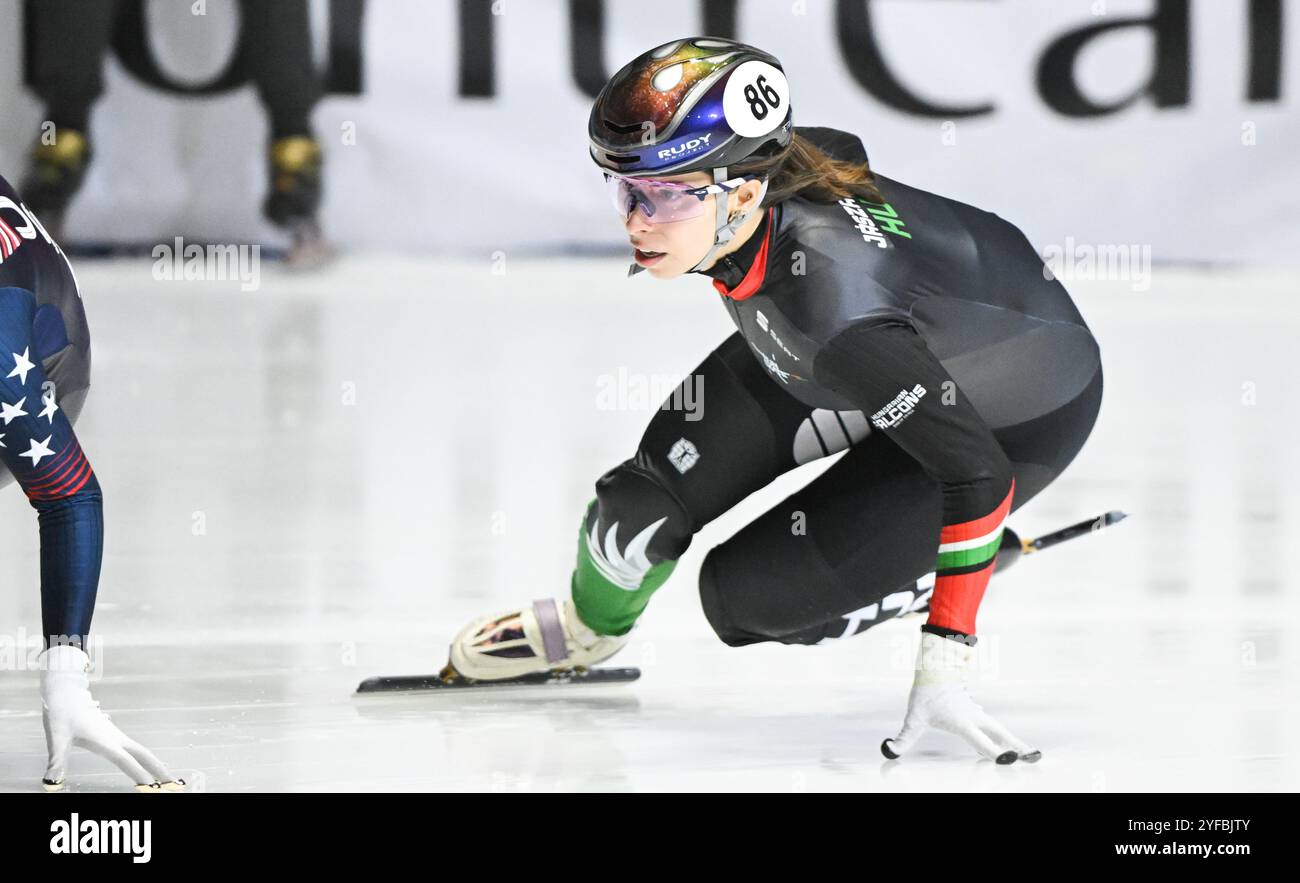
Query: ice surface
x=321, y=480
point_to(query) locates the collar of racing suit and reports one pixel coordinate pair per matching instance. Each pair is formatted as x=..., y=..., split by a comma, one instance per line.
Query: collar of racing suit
x=739, y=274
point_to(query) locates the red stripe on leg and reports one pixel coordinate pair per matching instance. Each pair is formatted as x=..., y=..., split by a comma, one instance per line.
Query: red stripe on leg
x=956, y=599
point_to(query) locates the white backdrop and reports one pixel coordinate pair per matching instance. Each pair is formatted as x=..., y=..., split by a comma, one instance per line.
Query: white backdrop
x=431, y=170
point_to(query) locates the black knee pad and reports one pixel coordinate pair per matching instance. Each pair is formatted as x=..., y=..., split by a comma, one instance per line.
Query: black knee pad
x=635, y=503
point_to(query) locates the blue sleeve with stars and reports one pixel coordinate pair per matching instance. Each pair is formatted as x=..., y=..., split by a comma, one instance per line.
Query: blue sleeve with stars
x=39, y=448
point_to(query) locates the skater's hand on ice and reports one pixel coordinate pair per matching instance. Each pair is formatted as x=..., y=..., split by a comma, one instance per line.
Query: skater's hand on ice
x=939, y=699
x=72, y=717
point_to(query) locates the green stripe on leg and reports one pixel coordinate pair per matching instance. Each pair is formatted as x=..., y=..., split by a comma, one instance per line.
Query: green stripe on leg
x=606, y=607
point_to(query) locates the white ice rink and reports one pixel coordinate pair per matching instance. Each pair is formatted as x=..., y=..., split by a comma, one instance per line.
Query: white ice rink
x=321, y=480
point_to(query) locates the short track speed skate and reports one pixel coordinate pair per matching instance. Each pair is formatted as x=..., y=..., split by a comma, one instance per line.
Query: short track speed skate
x=542, y=645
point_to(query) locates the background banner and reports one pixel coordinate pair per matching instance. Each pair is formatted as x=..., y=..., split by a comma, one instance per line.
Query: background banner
x=461, y=126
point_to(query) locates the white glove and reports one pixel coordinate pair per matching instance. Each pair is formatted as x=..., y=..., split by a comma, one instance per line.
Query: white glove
x=72, y=717
x=939, y=699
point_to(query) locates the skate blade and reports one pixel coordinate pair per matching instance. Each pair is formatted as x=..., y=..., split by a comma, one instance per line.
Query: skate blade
x=450, y=679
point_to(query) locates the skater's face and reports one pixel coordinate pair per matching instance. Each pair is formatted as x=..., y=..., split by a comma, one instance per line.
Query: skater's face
x=682, y=243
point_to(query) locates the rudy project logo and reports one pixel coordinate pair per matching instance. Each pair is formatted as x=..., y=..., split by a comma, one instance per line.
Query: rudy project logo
x=900, y=408
x=870, y=217
x=688, y=146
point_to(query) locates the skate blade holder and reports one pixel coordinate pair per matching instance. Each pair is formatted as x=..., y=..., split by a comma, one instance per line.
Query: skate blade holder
x=451, y=680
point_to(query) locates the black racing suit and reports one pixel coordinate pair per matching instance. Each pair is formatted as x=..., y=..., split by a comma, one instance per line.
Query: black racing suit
x=922, y=334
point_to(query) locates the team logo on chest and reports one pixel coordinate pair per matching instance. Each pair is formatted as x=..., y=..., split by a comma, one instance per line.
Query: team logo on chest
x=874, y=219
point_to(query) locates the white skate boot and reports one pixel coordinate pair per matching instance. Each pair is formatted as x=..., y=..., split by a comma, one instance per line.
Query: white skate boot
x=548, y=636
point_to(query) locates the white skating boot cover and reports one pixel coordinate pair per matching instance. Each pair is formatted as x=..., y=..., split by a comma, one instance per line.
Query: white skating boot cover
x=73, y=718
x=547, y=636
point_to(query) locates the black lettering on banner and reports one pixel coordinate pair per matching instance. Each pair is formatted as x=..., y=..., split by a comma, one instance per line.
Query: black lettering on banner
x=1168, y=85
x=131, y=44
x=477, y=49
x=1265, y=77
x=134, y=50
x=345, y=63
x=477, y=69
x=586, y=45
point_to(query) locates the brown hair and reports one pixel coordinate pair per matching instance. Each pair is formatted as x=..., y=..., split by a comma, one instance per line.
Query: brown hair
x=802, y=169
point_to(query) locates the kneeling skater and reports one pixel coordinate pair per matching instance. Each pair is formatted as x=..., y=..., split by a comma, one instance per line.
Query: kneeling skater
x=916, y=334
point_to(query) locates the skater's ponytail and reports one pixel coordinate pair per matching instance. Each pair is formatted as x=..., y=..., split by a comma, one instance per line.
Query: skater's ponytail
x=803, y=169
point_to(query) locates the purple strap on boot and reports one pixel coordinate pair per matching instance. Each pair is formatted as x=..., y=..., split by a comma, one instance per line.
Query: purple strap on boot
x=552, y=630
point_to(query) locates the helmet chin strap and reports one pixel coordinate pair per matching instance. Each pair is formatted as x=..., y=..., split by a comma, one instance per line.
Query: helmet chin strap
x=723, y=230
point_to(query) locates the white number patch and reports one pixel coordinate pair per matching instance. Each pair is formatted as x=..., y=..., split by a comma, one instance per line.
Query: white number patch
x=756, y=99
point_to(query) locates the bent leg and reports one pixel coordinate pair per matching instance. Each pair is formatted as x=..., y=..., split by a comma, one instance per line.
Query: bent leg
x=67, y=56
x=692, y=465
x=857, y=545
x=278, y=53
x=39, y=448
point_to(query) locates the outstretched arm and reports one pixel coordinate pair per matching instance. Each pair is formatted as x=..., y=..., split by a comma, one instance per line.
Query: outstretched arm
x=888, y=370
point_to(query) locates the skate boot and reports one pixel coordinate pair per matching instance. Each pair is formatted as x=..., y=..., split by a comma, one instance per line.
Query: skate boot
x=294, y=199
x=55, y=175
x=548, y=636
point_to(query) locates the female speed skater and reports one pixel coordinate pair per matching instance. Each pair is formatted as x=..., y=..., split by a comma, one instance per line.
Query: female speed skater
x=916, y=334
x=44, y=377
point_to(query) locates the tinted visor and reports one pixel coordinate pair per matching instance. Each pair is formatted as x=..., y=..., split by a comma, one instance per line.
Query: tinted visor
x=661, y=202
